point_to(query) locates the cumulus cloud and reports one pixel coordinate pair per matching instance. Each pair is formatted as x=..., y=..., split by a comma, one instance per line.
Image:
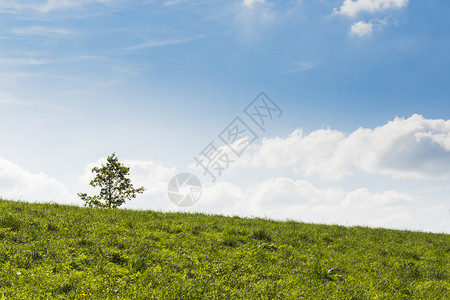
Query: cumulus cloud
x=352, y=8
x=361, y=29
x=403, y=148
x=17, y=183
x=406, y=148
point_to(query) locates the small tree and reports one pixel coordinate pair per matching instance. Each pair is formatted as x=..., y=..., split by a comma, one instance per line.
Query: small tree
x=115, y=187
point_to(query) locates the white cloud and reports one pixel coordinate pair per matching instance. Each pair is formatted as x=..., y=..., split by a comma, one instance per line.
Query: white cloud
x=278, y=198
x=365, y=200
x=389, y=209
x=352, y=8
x=250, y=3
x=402, y=148
x=399, y=220
x=222, y=197
x=361, y=29
x=287, y=191
x=286, y=198
x=17, y=183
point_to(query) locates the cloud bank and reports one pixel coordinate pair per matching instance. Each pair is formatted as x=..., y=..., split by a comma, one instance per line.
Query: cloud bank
x=17, y=183
x=413, y=148
x=403, y=148
x=285, y=198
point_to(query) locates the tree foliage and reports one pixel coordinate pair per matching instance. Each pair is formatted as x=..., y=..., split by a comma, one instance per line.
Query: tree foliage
x=115, y=187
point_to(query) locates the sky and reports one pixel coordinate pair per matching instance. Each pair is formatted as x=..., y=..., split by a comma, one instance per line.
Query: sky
x=355, y=104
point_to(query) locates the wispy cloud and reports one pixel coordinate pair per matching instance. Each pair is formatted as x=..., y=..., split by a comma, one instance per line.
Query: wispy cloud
x=158, y=43
x=12, y=100
x=302, y=66
x=47, y=59
x=52, y=5
x=7, y=99
x=47, y=6
x=41, y=31
x=174, y=2
x=23, y=61
x=12, y=75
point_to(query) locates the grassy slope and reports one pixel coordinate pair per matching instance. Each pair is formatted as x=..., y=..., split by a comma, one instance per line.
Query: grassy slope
x=50, y=251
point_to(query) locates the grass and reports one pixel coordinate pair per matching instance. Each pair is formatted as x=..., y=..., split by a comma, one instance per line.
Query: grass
x=51, y=251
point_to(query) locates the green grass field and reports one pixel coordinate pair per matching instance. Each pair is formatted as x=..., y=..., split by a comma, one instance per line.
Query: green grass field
x=51, y=251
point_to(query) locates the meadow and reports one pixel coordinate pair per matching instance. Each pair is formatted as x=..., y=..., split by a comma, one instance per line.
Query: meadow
x=52, y=251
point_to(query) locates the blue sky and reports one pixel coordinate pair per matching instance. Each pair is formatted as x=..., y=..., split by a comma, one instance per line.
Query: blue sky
x=364, y=137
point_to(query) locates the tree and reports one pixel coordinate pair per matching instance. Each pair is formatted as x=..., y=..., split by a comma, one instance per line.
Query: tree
x=115, y=187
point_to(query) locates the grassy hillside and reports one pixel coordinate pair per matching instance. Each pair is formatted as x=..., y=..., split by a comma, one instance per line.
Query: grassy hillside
x=50, y=251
